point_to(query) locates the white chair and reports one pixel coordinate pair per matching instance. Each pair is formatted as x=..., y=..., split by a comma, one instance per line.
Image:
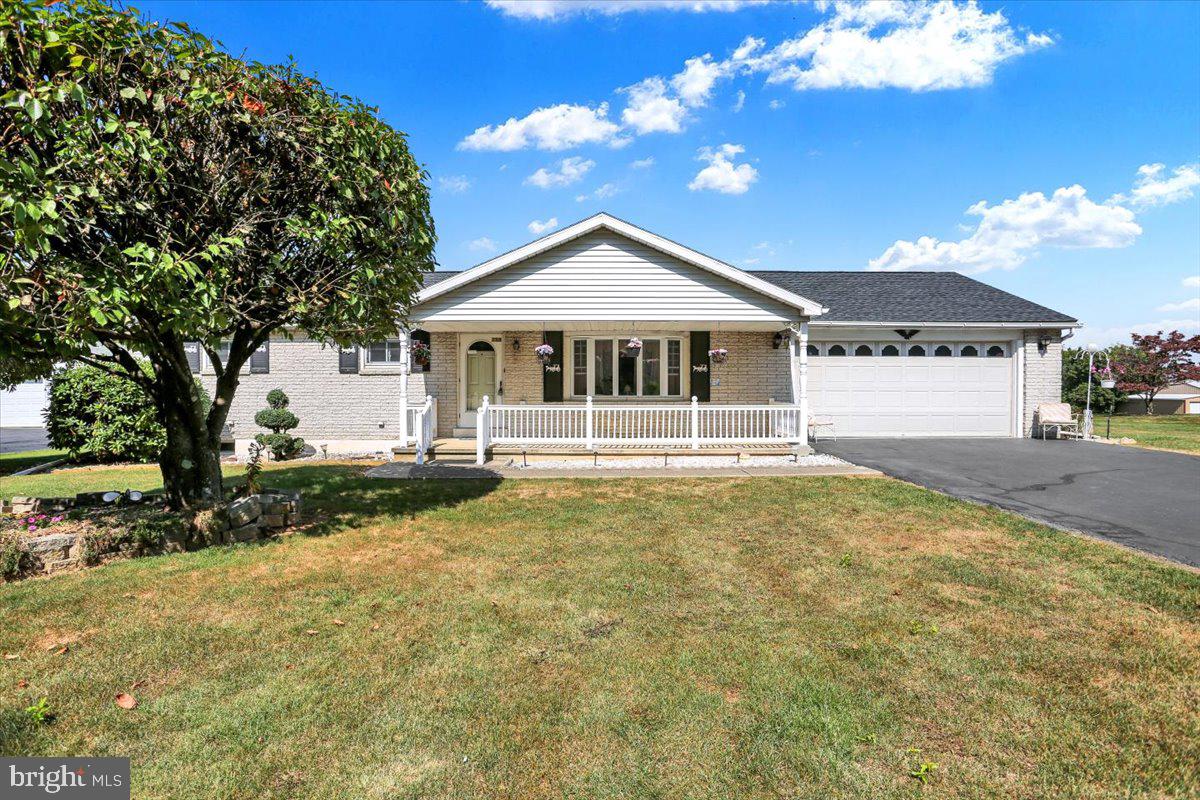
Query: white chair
x=815, y=424
x=1059, y=417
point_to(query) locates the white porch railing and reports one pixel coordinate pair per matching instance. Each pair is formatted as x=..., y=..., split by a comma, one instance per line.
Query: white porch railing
x=677, y=425
x=422, y=427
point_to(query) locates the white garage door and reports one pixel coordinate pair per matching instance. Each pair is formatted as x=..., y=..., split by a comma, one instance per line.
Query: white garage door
x=23, y=406
x=902, y=396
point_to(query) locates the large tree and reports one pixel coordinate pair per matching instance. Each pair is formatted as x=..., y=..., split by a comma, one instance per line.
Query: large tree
x=1155, y=362
x=155, y=191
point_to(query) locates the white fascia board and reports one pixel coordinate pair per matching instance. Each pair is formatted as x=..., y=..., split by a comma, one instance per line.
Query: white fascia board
x=915, y=324
x=807, y=307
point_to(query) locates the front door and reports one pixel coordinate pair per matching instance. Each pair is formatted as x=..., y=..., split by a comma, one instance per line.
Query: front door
x=481, y=378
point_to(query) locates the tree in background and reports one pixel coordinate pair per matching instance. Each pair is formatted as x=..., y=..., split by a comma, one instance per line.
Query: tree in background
x=1074, y=381
x=99, y=415
x=156, y=191
x=1155, y=362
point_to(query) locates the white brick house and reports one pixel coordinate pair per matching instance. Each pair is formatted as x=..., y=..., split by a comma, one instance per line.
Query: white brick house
x=870, y=354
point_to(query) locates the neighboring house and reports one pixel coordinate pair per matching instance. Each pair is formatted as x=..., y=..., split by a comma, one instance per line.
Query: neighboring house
x=1178, y=398
x=875, y=353
x=24, y=405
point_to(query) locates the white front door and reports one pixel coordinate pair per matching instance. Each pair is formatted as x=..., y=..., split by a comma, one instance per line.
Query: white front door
x=481, y=359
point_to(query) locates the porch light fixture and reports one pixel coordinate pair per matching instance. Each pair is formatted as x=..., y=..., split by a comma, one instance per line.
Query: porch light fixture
x=777, y=340
x=1043, y=344
x=516, y=344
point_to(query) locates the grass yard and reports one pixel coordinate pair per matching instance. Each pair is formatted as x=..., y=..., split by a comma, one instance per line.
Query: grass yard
x=822, y=637
x=1168, y=432
x=15, y=462
x=95, y=478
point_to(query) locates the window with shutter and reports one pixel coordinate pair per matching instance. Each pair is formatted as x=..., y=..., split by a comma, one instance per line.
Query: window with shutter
x=192, y=350
x=260, y=360
x=348, y=360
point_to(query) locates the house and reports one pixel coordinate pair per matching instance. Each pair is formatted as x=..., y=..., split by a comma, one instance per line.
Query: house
x=24, y=406
x=726, y=357
x=1178, y=398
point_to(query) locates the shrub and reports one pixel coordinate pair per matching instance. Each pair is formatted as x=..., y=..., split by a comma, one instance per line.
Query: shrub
x=279, y=420
x=95, y=415
x=13, y=558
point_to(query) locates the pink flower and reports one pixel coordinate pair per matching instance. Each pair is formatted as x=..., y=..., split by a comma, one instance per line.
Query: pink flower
x=32, y=528
x=57, y=518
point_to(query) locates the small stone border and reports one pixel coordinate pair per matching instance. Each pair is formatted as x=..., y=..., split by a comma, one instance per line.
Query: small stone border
x=258, y=516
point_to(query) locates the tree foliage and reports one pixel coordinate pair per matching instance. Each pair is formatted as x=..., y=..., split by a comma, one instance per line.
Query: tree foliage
x=1155, y=362
x=155, y=190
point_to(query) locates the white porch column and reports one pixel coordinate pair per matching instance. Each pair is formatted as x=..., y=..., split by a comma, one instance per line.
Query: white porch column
x=405, y=367
x=798, y=360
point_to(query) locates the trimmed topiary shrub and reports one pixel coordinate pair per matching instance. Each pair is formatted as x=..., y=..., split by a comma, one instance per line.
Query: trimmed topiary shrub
x=279, y=421
x=97, y=416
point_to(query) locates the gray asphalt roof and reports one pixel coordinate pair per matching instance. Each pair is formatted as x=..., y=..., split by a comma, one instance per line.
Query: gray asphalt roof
x=896, y=296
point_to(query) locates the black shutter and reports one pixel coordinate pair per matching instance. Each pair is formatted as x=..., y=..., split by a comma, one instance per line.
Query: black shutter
x=192, y=350
x=423, y=336
x=348, y=360
x=552, y=372
x=260, y=360
x=699, y=347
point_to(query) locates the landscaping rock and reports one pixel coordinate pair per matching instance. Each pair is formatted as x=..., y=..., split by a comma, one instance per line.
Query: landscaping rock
x=273, y=520
x=244, y=511
x=245, y=533
x=50, y=543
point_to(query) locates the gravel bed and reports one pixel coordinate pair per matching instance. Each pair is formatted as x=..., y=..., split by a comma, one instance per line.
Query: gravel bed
x=684, y=462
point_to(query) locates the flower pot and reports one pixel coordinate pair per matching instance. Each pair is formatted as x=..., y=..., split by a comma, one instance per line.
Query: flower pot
x=1108, y=383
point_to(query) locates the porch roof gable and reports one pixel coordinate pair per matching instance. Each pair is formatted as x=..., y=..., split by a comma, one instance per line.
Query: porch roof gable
x=605, y=221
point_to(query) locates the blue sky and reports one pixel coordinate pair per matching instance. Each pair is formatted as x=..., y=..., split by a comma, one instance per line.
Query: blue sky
x=1048, y=149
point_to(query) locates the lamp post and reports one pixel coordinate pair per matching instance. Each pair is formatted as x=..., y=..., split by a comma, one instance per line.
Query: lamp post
x=1107, y=383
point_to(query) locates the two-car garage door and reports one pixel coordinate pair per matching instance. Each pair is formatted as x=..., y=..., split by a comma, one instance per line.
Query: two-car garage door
x=913, y=396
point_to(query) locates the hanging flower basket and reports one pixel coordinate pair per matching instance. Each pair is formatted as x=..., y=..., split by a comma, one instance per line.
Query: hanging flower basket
x=718, y=355
x=544, y=352
x=1107, y=379
x=420, y=353
x=633, y=346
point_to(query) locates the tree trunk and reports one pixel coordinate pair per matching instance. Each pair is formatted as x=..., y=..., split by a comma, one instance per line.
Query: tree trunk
x=191, y=461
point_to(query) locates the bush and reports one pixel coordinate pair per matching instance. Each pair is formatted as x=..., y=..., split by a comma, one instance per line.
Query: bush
x=96, y=415
x=279, y=420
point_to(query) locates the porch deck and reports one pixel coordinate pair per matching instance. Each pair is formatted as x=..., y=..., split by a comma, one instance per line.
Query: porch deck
x=463, y=450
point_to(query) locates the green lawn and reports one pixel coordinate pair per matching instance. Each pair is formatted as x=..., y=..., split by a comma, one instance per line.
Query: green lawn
x=68, y=482
x=1168, y=432
x=15, y=462
x=781, y=637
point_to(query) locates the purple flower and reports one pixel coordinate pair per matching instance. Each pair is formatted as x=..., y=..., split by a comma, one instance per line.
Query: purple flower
x=57, y=518
x=32, y=528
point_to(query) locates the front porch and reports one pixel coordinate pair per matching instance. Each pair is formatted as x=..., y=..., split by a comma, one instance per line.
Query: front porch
x=466, y=451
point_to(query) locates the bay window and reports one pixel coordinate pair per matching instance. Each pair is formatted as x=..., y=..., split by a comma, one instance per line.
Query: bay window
x=607, y=367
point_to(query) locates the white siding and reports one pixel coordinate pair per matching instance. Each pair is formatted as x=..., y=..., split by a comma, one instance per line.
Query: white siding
x=23, y=406
x=603, y=276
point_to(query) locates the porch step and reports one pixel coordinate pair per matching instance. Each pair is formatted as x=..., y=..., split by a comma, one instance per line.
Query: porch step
x=445, y=451
x=464, y=433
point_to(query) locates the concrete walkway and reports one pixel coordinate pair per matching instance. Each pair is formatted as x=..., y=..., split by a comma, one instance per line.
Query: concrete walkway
x=1144, y=499
x=495, y=471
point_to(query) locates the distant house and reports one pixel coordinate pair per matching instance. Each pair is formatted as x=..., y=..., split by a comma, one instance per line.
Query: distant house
x=24, y=405
x=1179, y=398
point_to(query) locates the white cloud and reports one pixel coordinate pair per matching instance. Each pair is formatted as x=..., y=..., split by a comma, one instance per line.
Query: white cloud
x=1151, y=189
x=740, y=103
x=1192, y=282
x=695, y=83
x=579, y=198
x=537, y=228
x=1191, y=304
x=1011, y=232
x=570, y=170
x=454, y=184
x=918, y=45
x=643, y=163
x=554, y=10
x=482, y=245
x=552, y=128
x=1119, y=334
x=650, y=110
x=721, y=174
x=775, y=105
x=606, y=191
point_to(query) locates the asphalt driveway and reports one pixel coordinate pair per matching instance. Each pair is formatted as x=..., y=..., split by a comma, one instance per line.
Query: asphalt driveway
x=16, y=440
x=1143, y=499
